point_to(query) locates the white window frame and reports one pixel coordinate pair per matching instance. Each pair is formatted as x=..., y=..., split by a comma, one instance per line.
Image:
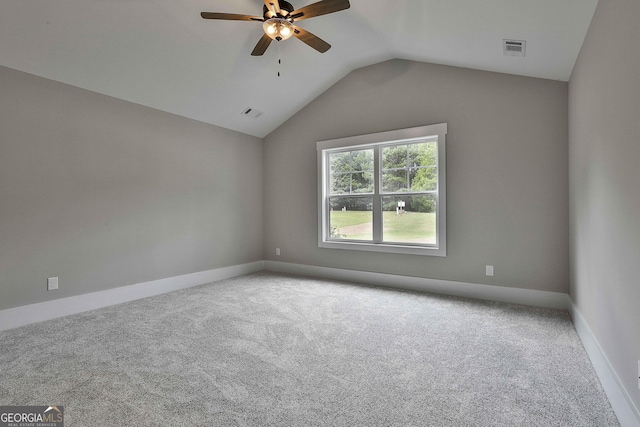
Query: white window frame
x=375, y=140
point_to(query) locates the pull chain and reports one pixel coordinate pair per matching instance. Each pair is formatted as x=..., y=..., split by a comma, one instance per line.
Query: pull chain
x=279, y=57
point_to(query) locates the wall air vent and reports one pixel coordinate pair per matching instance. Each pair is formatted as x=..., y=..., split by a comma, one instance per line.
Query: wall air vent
x=514, y=47
x=251, y=112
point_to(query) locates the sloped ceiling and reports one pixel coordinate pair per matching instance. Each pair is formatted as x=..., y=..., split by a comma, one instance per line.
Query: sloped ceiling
x=162, y=54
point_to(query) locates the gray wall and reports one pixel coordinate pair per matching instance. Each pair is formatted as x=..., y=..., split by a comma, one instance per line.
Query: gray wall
x=604, y=144
x=507, y=178
x=105, y=193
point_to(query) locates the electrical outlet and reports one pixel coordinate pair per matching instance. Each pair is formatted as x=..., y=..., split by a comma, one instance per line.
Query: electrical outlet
x=52, y=283
x=277, y=251
x=639, y=374
x=489, y=270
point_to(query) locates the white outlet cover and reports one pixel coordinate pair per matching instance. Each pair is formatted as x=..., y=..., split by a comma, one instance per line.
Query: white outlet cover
x=638, y=374
x=52, y=283
x=278, y=251
x=489, y=270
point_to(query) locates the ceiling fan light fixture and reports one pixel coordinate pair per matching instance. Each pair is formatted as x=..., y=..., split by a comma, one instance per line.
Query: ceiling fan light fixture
x=278, y=28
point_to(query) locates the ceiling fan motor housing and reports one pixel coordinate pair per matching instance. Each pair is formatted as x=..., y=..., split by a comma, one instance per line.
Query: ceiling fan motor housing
x=267, y=13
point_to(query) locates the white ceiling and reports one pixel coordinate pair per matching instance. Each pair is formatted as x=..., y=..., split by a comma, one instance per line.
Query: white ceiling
x=162, y=54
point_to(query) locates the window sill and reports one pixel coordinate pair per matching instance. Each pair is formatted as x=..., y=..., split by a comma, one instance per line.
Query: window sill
x=384, y=248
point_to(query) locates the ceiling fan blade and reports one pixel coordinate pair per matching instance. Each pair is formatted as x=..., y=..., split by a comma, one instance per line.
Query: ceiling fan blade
x=320, y=8
x=273, y=5
x=262, y=45
x=230, y=16
x=312, y=40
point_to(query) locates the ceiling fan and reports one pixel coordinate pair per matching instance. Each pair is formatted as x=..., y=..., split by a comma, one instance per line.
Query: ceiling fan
x=278, y=19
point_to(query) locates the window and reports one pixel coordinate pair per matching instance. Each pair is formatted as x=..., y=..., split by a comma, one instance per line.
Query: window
x=384, y=192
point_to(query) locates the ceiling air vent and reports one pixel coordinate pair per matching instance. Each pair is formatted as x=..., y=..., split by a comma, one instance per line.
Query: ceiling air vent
x=514, y=47
x=251, y=112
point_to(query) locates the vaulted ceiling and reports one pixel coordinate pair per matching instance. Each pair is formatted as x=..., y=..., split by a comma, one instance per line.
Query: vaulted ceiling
x=162, y=54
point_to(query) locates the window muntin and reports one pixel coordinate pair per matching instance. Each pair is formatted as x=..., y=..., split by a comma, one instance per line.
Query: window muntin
x=384, y=192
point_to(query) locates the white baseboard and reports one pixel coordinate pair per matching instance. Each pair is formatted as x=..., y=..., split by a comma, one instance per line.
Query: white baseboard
x=33, y=313
x=620, y=399
x=469, y=290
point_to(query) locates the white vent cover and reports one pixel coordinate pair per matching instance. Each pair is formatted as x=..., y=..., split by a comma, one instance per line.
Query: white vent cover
x=252, y=112
x=514, y=47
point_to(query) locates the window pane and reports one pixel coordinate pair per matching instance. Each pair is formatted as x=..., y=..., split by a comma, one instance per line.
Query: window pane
x=410, y=167
x=340, y=162
x=423, y=154
x=351, y=218
x=351, y=172
x=424, y=179
x=409, y=219
x=362, y=160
